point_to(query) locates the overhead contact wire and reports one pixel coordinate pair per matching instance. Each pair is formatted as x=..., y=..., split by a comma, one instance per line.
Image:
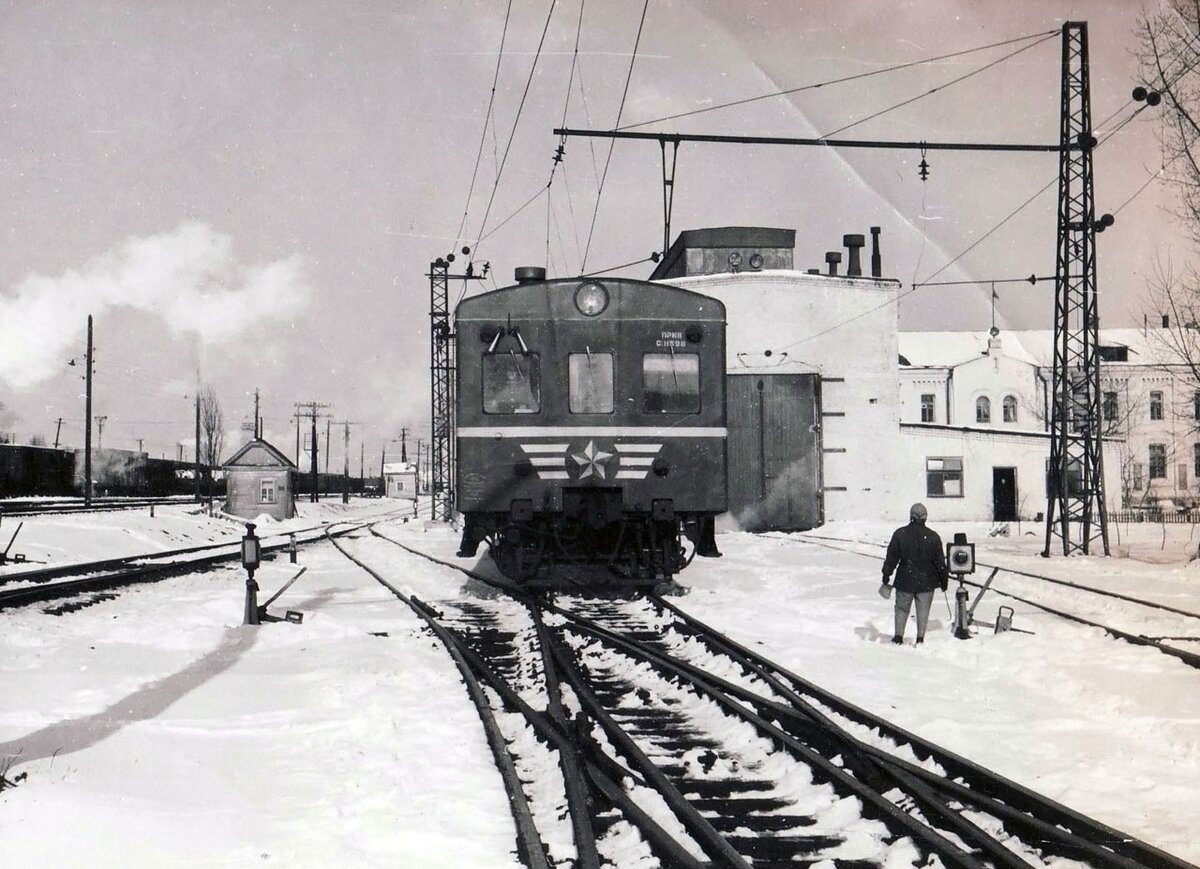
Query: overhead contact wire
x=483, y=133
x=940, y=87
x=836, y=81
x=516, y=122
x=620, y=110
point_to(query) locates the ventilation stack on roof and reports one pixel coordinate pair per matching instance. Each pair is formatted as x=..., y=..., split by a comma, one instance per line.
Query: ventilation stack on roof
x=876, y=259
x=853, y=243
x=832, y=258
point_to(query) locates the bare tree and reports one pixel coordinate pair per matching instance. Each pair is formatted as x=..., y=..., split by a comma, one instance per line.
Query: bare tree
x=212, y=431
x=1169, y=57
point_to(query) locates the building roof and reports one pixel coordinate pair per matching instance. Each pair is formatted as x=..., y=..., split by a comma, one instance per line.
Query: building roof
x=258, y=454
x=950, y=349
x=1035, y=346
x=399, y=468
x=1145, y=346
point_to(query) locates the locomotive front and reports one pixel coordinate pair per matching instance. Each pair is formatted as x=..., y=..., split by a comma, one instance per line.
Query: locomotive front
x=591, y=428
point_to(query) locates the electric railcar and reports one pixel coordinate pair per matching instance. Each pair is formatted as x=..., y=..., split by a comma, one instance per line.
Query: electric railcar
x=591, y=435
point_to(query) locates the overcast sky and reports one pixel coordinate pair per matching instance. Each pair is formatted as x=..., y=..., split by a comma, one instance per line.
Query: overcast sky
x=250, y=193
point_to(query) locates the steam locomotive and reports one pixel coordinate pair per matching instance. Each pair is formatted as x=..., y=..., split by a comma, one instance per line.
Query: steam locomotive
x=591, y=433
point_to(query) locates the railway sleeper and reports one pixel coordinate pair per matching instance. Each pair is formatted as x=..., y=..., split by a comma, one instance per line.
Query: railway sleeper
x=737, y=819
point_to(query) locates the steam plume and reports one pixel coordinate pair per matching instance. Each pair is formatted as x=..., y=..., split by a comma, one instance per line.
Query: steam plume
x=189, y=277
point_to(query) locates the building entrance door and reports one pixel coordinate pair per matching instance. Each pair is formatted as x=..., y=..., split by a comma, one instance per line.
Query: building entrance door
x=774, y=451
x=1004, y=494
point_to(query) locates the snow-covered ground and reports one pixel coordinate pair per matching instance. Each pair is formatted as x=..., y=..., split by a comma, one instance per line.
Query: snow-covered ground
x=155, y=730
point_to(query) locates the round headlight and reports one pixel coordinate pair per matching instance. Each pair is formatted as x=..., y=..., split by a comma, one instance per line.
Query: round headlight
x=591, y=299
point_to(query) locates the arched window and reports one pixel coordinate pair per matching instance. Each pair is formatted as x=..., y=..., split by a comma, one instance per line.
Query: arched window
x=983, y=409
x=1010, y=408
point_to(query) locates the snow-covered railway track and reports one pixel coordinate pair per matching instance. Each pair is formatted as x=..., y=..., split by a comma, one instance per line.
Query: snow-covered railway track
x=85, y=583
x=60, y=506
x=1174, y=625
x=734, y=761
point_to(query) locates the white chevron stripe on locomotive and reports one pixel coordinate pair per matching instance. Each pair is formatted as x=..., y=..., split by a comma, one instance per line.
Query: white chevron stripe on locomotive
x=555, y=461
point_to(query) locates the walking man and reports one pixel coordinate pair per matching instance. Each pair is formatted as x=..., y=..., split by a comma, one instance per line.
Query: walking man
x=916, y=556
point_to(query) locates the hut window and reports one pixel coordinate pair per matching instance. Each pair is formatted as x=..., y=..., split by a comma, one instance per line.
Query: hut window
x=671, y=383
x=266, y=490
x=590, y=382
x=512, y=383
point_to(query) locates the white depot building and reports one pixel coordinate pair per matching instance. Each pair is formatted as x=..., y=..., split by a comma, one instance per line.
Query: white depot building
x=998, y=387
x=812, y=385
x=834, y=415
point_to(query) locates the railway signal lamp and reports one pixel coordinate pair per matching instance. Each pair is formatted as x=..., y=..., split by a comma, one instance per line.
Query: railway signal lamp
x=251, y=558
x=960, y=559
x=960, y=556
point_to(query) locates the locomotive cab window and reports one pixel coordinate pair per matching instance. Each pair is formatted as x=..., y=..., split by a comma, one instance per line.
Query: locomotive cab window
x=671, y=383
x=512, y=383
x=590, y=382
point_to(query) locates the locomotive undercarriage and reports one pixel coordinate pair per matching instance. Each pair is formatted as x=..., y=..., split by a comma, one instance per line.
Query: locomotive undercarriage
x=558, y=550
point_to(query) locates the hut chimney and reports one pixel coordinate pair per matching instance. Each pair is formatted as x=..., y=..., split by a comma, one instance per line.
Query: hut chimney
x=1166, y=321
x=832, y=258
x=854, y=244
x=876, y=260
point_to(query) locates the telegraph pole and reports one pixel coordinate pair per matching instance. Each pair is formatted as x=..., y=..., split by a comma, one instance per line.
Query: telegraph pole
x=313, y=409
x=256, y=429
x=1075, y=485
x=297, y=416
x=327, y=426
x=197, y=443
x=87, y=424
x=404, y=445
x=345, y=457
x=100, y=421
x=57, y=431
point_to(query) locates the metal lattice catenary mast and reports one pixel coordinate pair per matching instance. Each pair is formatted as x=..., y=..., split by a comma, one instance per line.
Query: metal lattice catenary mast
x=441, y=376
x=1075, y=479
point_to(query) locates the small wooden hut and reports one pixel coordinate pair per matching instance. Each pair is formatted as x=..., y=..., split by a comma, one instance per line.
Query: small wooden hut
x=258, y=479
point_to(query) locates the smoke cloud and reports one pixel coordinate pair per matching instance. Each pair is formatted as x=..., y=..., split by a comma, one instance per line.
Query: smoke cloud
x=189, y=277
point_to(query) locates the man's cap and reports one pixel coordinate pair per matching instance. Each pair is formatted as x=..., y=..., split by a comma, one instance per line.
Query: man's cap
x=918, y=511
